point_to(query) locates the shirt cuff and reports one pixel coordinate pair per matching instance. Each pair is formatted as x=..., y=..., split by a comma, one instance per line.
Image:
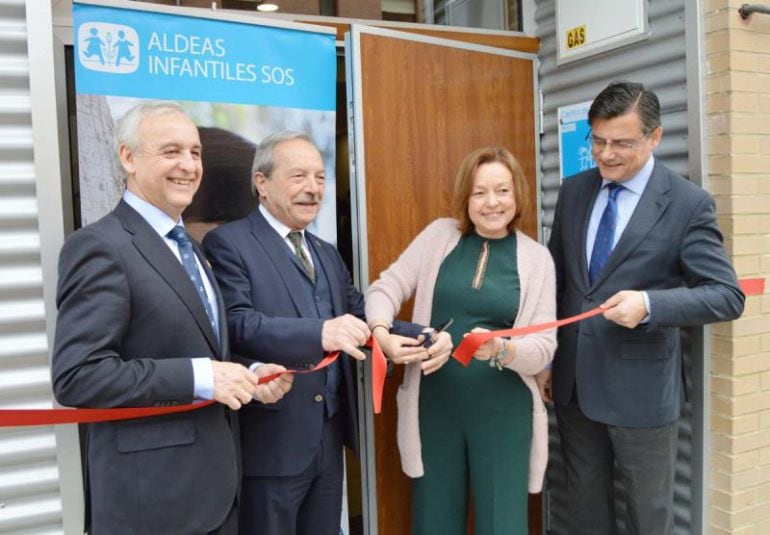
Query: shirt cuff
x=203, y=376
x=254, y=365
x=647, y=306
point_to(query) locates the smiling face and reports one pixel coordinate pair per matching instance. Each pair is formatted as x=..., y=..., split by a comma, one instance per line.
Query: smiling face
x=620, y=164
x=492, y=204
x=294, y=190
x=165, y=169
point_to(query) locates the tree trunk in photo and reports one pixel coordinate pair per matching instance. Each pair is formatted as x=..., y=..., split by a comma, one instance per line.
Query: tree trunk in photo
x=101, y=182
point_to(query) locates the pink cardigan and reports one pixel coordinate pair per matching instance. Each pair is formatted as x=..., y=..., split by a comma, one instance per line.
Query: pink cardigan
x=415, y=272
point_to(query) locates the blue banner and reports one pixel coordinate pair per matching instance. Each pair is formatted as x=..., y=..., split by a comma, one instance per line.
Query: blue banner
x=123, y=52
x=574, y=150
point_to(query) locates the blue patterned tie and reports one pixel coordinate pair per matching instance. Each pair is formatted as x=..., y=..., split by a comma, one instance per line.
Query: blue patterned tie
x=605, y=234
x=187, y=255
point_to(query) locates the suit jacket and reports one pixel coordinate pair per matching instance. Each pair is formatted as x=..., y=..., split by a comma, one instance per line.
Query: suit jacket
x=271, y=320
x=671, y=248
x=129, y=322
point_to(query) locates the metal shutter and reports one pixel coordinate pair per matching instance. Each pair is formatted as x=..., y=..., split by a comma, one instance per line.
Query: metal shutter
x=29, y=476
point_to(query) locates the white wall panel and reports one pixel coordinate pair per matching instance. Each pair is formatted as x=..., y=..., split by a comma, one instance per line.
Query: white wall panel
x=29, y=476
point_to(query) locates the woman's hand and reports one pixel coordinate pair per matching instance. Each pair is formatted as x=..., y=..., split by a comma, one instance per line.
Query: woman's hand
x=438, y=353
x=488, y=349
x=401, y=349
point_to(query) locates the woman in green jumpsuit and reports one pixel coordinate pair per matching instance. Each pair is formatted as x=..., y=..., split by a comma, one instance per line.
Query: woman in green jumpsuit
x=469, y=431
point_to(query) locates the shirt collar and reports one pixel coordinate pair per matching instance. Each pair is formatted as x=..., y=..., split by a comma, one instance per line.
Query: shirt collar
x=157, y=218
x=638, y=182
x=280, y=228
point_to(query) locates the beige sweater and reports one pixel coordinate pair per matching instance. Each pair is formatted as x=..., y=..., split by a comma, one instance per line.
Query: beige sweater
x=415, y=272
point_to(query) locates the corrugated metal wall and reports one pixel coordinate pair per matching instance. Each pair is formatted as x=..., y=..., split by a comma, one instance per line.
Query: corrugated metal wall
x=29, y=477
x=660, y=63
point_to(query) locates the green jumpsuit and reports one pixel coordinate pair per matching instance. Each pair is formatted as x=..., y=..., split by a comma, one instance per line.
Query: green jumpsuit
x=475, y=422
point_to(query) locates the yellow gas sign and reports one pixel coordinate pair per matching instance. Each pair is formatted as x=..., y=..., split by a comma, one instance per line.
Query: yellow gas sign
x=576, y=37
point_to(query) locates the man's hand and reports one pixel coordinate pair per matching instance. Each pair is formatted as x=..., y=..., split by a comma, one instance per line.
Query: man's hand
x=626, y=308
x=274, y=390
x=438, y=353
x=345, y=333
x=543, y=380
x=401, y=349
x=234, y=385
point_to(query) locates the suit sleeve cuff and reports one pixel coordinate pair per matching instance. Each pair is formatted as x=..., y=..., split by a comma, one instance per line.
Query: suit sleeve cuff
x=203, y=376
x=647, y=306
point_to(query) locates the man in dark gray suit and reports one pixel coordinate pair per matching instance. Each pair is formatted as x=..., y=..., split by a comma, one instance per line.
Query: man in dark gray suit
x=634, y=237
x=290, y=298
x=141, y=323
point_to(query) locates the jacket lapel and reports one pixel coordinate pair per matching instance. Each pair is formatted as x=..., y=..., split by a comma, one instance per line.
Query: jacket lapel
x=163, y=261
x=651, y=207
x=279, y=254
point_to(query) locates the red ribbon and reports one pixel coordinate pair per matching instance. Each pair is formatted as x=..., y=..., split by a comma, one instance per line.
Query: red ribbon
x=28, y=417
x=752, y=286
x=22, y=417
x=463, y=354
x=470, y=344
x=328, y=359
x=379, y=370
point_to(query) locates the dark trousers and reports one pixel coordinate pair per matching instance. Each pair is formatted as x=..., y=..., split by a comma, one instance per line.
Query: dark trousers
x=309, y=503
x=644, y=458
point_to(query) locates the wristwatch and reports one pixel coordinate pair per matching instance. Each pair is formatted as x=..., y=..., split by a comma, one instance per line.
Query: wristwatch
x=497, y=360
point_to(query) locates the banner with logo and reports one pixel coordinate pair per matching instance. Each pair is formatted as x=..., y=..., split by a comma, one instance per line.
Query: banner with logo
x=574, y=149
x=239, y=81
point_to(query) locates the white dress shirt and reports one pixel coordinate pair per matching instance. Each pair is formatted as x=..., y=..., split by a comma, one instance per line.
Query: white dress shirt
x=283, y=231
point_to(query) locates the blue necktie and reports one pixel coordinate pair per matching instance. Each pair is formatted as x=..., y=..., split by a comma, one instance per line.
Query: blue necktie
x=187, y=255
x=605, y=234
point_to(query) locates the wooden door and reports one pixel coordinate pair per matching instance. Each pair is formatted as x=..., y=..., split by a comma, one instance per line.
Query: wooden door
x=418, y=105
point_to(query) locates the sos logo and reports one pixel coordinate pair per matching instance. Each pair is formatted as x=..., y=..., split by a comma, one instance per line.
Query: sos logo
x=576, y=37
x=277, y=75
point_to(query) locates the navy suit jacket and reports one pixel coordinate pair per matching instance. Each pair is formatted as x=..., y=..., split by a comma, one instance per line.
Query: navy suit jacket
x=671, y=248
x=271, y=320
x=129, y=321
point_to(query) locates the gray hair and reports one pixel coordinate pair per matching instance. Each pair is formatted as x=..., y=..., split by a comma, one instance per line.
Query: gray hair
x=127, y=127
x=263, y=158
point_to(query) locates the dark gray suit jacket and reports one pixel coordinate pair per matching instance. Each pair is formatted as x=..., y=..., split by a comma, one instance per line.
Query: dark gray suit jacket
x=129, y=321
x=671, y=248
x=271, y=320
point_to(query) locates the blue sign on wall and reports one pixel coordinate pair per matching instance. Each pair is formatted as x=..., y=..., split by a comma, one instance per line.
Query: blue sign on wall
x=574, y=150
x=123, y=52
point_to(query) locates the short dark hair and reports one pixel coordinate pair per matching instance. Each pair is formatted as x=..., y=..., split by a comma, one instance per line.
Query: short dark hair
x=225, y=191
x=620, y=98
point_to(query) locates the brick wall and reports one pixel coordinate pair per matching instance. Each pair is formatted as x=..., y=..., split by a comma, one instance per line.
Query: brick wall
x=738, y=136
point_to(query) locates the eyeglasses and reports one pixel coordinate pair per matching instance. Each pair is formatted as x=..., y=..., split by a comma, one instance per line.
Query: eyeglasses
x=618, y=144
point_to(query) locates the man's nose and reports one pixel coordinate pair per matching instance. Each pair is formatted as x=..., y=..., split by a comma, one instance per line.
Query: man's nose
x=313, y=186
x=187, y=161
x=607, y=149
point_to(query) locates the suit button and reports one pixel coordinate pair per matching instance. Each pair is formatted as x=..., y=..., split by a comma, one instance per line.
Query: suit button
x=318, y=398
